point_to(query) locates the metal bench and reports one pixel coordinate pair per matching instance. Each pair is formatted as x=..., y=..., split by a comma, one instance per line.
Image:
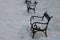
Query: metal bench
x=34, y=26
x=31, y=6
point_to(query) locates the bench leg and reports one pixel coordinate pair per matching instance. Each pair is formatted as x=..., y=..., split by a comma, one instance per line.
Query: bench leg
x=33, y=34
x=34, y=11
x=45, y=33
x=28, y=10
x=26, y=1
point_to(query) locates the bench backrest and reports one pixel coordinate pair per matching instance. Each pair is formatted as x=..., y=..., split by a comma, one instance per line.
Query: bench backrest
x=47, y=16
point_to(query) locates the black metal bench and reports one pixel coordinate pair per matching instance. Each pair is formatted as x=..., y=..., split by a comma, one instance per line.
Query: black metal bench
x=34, y=26
x=31, y=6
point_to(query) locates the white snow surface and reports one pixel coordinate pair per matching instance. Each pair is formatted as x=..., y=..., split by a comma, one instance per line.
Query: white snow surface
x=14, y=20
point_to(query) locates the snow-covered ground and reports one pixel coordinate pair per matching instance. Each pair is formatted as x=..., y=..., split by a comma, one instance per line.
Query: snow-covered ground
x=14, y=20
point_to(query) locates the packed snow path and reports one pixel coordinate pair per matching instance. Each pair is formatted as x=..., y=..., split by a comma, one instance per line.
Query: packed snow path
x=14, y=20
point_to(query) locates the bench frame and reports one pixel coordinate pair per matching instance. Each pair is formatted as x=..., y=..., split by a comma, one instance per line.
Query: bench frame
x=34, y=28
x=29, y=6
